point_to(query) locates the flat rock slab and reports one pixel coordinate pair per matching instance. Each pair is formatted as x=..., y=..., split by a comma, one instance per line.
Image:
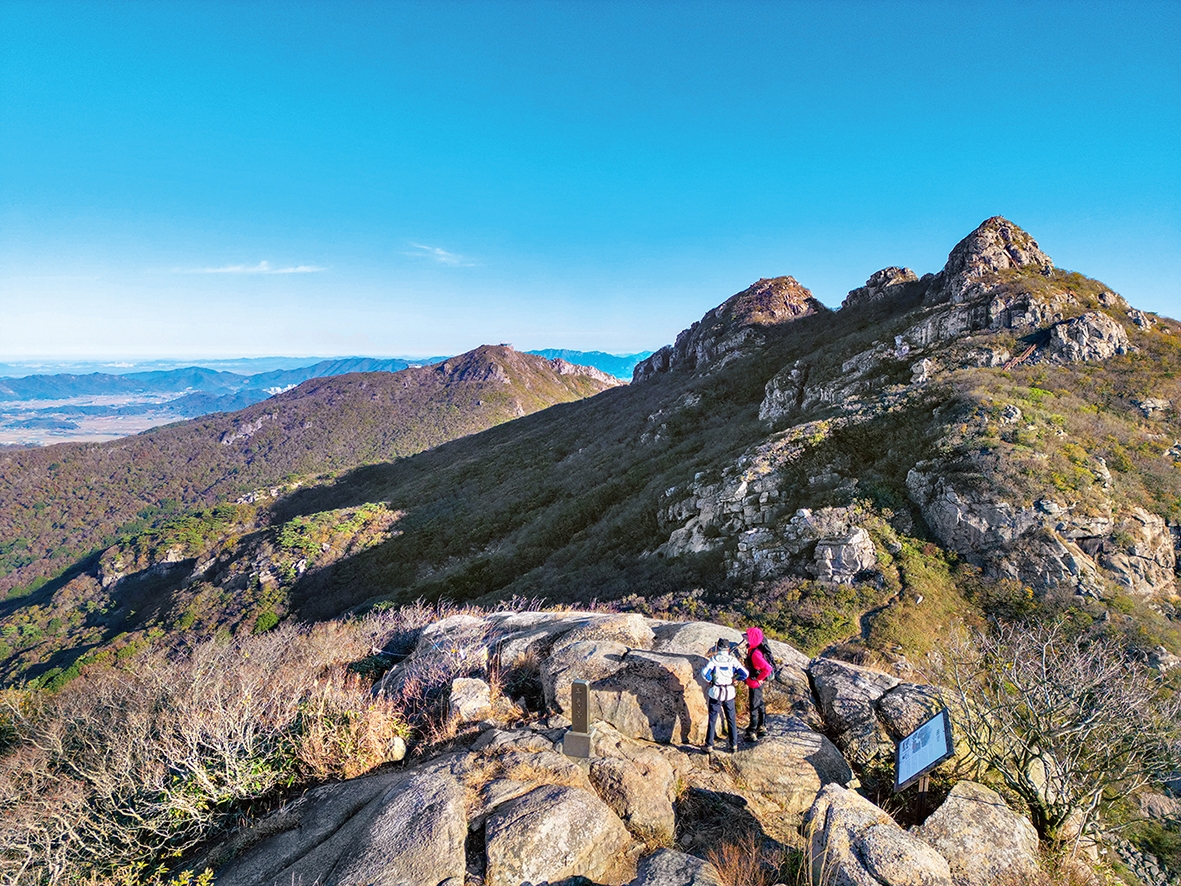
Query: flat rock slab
x=402, y=831
x=667, y=867
x=983, y=840
x=790, y=764
x=551, y=834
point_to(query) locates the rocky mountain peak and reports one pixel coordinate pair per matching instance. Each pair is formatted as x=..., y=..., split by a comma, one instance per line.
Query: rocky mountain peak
x=504, y=364
x=732, y=326
x=880, y=285
x=996, y=245
x=766, y=302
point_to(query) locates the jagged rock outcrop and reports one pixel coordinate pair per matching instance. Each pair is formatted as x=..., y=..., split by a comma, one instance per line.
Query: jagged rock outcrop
x=1091, y=336
x=508, y=807
x=732, y=326
x=996, y=245
x=854, y=843
x=881, y=285
x=1048, y=544
x=982, y=839
x=839, y=560
x=1139, y=554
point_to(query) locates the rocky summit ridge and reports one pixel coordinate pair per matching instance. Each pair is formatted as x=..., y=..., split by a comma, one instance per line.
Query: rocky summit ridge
x=504, y=803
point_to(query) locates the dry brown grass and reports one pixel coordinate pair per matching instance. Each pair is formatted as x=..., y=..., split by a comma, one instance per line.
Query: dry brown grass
x=129, y=767
x=746, y=861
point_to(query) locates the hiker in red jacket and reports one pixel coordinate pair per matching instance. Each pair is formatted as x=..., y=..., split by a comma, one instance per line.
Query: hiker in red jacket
x=758, y=664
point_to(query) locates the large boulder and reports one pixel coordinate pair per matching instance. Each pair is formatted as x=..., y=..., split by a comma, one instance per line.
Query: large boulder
x=790, y=764
x=1092, y=336
x=641, y=795
x=907, y=706
x=455, y=646
x=384, y=830
x=789, y=689
x=848, y=697
x=644, y=693
x=667, y=867
x=854, y=843
x=551, y=834
x=983, y=840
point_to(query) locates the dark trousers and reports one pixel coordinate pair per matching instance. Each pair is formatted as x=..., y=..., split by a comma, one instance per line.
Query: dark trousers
x=715, y=708
x=758, y=709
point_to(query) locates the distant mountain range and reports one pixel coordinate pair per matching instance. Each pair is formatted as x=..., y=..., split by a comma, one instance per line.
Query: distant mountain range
x=60, y=502
x=86, y=404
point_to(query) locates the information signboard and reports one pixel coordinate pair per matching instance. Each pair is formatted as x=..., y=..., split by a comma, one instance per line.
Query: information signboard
x=923, y=750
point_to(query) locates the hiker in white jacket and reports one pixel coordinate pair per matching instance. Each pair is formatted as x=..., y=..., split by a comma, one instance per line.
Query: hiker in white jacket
x=722, y=672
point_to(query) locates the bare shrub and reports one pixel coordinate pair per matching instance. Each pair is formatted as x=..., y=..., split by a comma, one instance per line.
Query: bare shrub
x=1070, y=722
x=123, y=767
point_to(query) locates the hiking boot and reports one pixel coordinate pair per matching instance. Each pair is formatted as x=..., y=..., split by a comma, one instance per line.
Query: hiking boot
x=707, y=749
x=750, y=737
x=733, y=749
x=761, y=732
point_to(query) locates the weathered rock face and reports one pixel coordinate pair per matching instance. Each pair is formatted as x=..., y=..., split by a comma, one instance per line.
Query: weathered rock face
x=551, y=834
x=997, y=245
x=642, y=693
x=904, y=708
x=1093, y=336
x=731, y=327
x=1143, y=559
x=1048, y=544
x=386, y=829
x=881, y=285
x=790, y=764
x=854, y=843
x=839, y=560
x=636, y=781
x=982, y=839
x=667, y=867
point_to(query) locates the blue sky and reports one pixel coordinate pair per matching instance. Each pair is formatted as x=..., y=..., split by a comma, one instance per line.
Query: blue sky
x=205, y=179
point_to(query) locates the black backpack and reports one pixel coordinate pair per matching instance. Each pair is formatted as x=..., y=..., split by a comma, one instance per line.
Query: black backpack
x=766, y=650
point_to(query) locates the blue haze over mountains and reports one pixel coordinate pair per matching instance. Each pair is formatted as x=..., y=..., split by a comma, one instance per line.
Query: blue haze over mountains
x=56, y=396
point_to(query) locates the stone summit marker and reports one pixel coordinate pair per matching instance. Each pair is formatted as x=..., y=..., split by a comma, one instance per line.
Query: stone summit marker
x=576, y=742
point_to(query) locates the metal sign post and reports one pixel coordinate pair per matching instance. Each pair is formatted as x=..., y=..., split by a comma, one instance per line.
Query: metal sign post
x=576, y=742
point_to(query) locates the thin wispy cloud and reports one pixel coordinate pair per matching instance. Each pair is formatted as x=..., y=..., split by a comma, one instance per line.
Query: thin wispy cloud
x=263, y=267
x=442, y=256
